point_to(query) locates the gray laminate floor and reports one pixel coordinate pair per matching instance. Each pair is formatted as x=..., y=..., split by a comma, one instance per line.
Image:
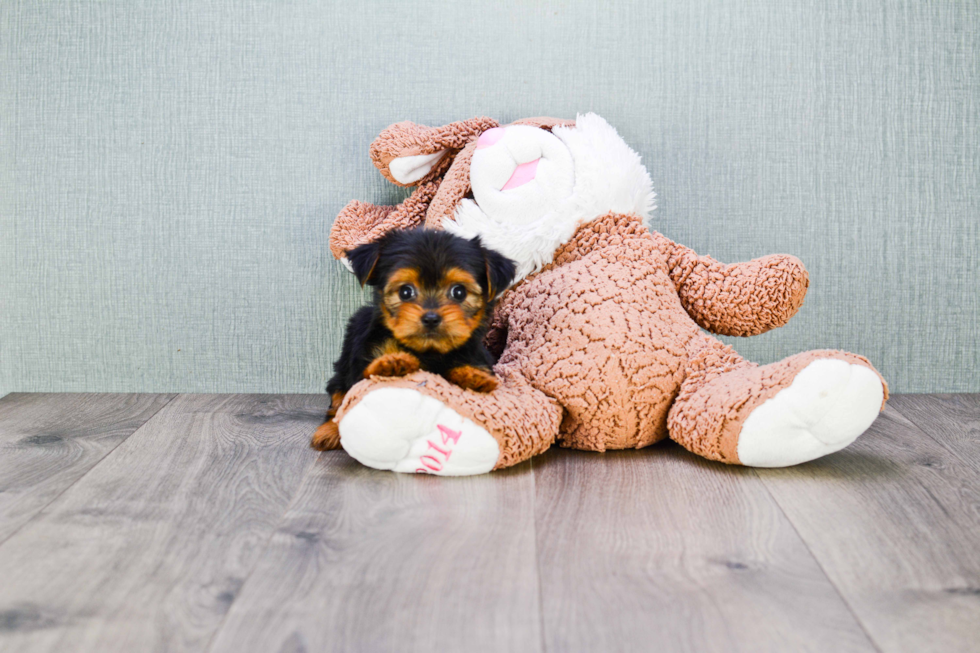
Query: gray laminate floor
x=204, y=523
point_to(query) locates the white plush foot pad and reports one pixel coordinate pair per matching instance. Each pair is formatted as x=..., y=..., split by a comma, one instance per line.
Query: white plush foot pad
x=406, y=431
x=828, y=405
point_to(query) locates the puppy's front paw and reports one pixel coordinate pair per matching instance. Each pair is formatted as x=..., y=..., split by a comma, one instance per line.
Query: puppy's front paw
x=395, y=364
x=326, y=437
x=473, y=378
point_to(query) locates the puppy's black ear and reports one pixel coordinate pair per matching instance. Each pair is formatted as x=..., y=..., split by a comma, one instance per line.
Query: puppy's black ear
x=500, y=270
x=364, y=259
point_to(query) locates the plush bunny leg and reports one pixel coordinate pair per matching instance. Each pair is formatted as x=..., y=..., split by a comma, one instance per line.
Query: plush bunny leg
x=797, y=409
x=423, y=423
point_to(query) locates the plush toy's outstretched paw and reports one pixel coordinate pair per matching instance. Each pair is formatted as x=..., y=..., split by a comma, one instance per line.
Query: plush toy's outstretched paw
x=402, y=430
x=827, y=406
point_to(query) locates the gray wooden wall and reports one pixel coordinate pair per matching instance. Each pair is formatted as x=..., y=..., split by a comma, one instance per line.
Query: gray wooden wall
x=169, y=170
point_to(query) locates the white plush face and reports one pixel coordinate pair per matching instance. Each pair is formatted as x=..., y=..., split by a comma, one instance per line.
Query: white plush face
x=520, y=173
x=533, y=188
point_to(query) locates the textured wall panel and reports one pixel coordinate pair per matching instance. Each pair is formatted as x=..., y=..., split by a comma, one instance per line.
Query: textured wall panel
x=169, y=170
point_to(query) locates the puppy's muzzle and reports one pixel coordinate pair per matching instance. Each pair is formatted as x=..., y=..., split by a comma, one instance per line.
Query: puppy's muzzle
x=431, y=319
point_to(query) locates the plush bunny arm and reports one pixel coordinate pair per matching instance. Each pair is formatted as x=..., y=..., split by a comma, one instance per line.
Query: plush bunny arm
x=362, y=222
x=741, y=299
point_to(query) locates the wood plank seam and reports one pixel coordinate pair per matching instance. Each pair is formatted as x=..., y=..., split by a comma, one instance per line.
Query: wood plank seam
x=893, y=521
x=333, y=579
x=258, y=558
x=89, y=470
x=816, y=559
x=196, y=494
x=537, y=557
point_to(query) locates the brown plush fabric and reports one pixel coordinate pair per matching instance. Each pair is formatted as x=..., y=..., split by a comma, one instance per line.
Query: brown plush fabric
x=722, y=388
x=454, y=187
x=524, y=421
x=601, y=349
x=741, y=299
x=438, y=193
x=602, y=331
x=361, y=222
x=408, y=139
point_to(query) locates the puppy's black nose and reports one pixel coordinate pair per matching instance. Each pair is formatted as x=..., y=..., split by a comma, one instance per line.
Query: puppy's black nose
x=431, y=319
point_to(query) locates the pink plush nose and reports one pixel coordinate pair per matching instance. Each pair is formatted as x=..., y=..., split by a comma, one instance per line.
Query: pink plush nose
x=522, y=174
x=489, y=137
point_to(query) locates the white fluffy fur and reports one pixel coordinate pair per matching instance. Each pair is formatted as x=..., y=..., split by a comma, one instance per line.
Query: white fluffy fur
x=609, y=177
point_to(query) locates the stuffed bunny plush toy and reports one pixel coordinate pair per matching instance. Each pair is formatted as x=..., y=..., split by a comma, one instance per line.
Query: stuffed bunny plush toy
x=600, y=338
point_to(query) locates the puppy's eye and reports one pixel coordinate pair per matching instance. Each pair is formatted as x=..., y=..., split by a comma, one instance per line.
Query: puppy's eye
x=406, y=292
x=458, y=292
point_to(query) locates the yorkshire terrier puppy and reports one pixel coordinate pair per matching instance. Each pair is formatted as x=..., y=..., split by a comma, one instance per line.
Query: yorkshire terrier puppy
x=433, y=296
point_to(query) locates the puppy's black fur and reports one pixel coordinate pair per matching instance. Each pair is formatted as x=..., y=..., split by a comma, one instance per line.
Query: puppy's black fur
x=433, y=296
x=430, y=252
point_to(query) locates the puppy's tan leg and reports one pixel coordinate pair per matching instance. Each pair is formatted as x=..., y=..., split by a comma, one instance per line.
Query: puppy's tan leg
x=327, y=435
x=398, y=363
x=473, y=378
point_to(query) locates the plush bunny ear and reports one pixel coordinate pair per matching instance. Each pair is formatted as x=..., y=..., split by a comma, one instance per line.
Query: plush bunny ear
x=455, y=185
x=408, y=154
x=360, y=222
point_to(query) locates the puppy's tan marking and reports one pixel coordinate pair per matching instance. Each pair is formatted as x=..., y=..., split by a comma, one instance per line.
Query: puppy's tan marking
x=459, y=318
x=389, y=346
x=473, y=378
x=397, y=364
x=327, y=435
x=399, y=278
x=459, y=275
